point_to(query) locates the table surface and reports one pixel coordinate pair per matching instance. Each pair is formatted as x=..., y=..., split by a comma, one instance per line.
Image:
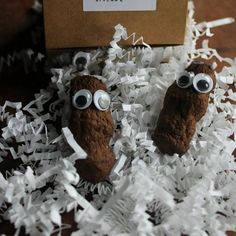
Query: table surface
x=224, y=39
x=22, y=89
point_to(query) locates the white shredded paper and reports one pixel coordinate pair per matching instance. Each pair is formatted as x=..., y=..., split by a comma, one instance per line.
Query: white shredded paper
x=147, y=193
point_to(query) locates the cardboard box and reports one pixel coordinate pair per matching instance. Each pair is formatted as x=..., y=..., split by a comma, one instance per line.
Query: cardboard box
x=67, y=25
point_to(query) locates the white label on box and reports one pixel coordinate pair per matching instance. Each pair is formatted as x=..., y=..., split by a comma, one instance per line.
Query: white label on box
x=119, y=5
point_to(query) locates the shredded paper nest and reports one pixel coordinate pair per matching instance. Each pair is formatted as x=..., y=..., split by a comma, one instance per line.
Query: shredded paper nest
x=147, y=193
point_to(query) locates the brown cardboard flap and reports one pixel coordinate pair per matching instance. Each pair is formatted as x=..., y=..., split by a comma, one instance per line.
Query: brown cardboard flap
x=68, y=26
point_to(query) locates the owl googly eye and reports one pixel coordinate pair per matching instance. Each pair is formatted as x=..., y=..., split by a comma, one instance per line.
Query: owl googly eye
x=82, y=99
x=203, y=83
x=101, y=100
x=185, y=79
x=81, y=60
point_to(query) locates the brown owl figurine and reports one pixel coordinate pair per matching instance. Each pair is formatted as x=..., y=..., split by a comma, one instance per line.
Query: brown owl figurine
x=185, y=103
x=92, y=126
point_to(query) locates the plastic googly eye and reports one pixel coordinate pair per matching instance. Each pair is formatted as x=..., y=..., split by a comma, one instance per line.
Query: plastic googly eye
x=101, y=100
x=203, y=83
x=82, y=99
x=185, y=79
x=81, y=60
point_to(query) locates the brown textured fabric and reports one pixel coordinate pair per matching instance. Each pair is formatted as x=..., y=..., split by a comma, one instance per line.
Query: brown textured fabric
x=92, y=130
x=182, y=109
